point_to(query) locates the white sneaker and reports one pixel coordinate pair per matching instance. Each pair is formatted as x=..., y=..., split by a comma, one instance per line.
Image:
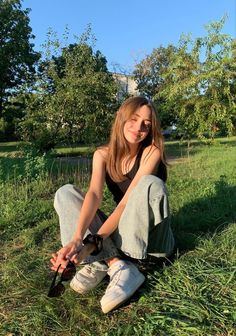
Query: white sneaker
x=125, y=280
x=87, y=278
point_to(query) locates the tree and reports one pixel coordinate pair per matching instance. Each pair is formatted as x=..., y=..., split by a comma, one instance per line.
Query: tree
x=13, y=111
x=195, y=84
x=74, y=100
x=17, y=57
x=201, y=81
x=149, y=75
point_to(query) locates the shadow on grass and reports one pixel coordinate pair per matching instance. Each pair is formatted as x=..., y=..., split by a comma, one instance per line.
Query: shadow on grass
x=180, y=149
x=11, y=146
x=228, y=143
x=16, y=168
x=196, y=220
x=205, y=216
x=10, y=167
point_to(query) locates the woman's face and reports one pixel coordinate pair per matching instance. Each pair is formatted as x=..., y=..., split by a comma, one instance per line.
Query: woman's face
x=137, y=127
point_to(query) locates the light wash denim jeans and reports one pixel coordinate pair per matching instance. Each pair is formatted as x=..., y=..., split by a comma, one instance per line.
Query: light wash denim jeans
x=144, y=227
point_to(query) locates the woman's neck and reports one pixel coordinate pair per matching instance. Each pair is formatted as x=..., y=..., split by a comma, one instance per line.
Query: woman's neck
x=134, y=148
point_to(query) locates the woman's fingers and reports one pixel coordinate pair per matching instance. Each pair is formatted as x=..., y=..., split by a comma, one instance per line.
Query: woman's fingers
x=58, y=259
x=58, y=262
x=66, y=253
x=75, y=249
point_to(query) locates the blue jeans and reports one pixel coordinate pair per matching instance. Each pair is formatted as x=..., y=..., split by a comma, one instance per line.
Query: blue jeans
x=144, y=226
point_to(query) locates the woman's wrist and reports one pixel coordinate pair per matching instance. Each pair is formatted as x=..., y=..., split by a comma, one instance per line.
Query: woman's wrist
x=95, y=240
x=77, y=239
x=77, y=243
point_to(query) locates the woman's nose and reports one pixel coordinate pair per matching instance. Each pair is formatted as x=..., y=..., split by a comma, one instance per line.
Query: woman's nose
x=138, y=126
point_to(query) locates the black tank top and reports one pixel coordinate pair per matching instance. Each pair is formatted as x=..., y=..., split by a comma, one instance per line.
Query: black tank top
x=118, y=189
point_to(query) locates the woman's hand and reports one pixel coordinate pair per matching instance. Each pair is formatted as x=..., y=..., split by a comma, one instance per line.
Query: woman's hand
x=75, y=251
x=83, y=253
x=66, y=253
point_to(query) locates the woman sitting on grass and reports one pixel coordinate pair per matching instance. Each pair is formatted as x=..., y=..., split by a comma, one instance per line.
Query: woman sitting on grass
x=133, y=167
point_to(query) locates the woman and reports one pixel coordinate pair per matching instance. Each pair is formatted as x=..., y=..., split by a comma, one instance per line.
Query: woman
x=133, y=167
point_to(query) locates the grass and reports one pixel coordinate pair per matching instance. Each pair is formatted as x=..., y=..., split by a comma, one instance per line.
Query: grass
x=194, y=295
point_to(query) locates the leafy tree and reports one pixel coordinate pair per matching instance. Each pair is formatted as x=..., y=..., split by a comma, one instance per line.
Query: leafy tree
x=194, y=83
x=17, y=57
x=201, y=81
x=74, y=101
x=149, y=75
x=13, y=111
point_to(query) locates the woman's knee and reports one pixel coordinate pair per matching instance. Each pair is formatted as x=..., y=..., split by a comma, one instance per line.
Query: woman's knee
x=62, y=194
x=64, y=190
x=152, y=183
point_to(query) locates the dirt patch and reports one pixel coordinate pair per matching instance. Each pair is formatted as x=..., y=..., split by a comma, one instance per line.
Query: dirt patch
x=75, y=159
x=87, y=160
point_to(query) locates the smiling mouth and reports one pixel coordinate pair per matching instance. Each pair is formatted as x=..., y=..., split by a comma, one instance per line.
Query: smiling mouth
x=136, y=135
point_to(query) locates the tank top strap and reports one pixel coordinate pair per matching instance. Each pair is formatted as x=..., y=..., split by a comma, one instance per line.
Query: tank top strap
x=136, y=165
x=139, y=155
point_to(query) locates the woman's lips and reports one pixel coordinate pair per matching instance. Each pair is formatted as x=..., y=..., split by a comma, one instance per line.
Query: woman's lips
x=135, y=134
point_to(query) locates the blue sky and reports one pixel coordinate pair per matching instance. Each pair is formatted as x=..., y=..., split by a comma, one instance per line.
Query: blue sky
x=127, y=30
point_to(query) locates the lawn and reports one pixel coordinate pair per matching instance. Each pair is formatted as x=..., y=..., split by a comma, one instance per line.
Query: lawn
x=194, y=294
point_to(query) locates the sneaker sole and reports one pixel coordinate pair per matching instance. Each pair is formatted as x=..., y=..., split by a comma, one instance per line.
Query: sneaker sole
x=81, y=290
x=78, y=290
x=117, y=303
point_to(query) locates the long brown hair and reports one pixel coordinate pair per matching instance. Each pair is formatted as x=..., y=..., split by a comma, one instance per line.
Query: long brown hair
x=118, y=147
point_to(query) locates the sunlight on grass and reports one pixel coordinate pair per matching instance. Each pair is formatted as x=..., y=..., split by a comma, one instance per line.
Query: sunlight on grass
x=194, y=295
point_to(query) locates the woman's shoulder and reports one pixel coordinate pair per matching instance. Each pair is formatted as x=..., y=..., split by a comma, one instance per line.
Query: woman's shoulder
x=150, y=153
x=101, y=152
x=151, y=150
x=151, y=157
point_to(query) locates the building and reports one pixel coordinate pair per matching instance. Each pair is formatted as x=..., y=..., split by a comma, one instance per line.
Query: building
x=127, y=85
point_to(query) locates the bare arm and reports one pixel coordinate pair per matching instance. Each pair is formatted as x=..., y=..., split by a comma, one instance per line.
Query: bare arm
x=93, y=197
x=92, y=201
x=149, y=164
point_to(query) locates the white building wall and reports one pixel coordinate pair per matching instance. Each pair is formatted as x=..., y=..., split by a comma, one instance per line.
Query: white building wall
x=127, y=85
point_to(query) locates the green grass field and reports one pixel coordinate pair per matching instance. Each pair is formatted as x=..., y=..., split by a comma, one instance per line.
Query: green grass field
x=195, y=294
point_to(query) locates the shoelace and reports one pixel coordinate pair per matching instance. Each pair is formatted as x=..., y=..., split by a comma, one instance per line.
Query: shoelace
x=91, y=270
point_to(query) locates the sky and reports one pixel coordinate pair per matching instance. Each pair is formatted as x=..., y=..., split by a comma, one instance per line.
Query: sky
x=128, y=30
